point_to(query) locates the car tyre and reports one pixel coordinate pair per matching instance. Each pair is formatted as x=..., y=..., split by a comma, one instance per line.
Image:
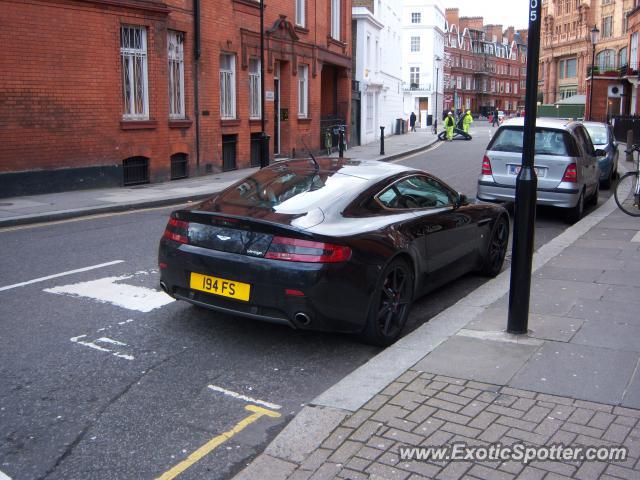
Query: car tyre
x=497, y=249
x=575, y=214
x=390, y=304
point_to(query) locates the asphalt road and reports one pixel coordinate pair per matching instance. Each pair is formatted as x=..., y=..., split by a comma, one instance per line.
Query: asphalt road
x=128, y=385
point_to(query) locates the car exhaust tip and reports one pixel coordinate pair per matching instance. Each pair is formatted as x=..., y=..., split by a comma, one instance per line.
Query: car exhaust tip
x=302, y=318
x=164, y=288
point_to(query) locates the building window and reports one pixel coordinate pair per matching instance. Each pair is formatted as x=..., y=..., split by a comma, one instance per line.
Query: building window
x=625, y=21
x=606, y=59
x=335, y=19
x=175, y=44
x=515, y=87
x=507, y=87
x=416, y=17
x=459, y=83
x=468, y=83
x=607, y=23
x=414, y=77
x=369, y=119
x=633, y=54
x=493, y=85
x=303, y=91
x=484, y=84
x=300, y=13
x=622, y=57
x=567, y=68
x=255, y=97
x=133, y=50
x=415, y=44
x=227, y=86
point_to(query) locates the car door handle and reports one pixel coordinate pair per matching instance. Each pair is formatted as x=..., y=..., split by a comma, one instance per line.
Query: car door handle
x=483, y=221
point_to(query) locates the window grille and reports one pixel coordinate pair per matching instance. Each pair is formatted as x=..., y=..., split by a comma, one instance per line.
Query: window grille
x=135, y=170
x=254, y=89
x=176, y=74
x=133, y=52
x=179, y=166
x=227, y=87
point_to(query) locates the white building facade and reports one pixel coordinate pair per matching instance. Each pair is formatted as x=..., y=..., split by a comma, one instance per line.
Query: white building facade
x=377, y=66
x=423, y=26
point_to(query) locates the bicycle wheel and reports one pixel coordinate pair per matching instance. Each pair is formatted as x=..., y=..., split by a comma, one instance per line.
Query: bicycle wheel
x=626, y=194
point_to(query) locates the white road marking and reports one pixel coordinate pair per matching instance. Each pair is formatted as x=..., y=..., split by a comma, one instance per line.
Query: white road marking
x=102, y=349
x=4, y=476
x=240, y=396
x=106, y=290
x=70, y=272
x=636, y=237
x=431, y=148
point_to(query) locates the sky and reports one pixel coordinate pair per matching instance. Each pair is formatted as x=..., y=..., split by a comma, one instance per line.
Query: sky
x=505, y=12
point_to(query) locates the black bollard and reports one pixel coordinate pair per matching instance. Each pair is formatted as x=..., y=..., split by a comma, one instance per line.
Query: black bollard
x=341, y=143
x=381, y=140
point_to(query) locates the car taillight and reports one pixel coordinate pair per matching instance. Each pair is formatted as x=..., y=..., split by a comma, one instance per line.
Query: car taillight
x=570, y=174
x=177, y=230
x=296, y=250
x=486, y=166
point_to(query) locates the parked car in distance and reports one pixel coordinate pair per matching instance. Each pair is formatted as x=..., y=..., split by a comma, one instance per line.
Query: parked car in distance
x=565, y=164
x=602, y=137
x=329, y=244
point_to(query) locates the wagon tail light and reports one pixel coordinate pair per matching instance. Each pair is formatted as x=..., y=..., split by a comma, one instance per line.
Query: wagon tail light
x=296, y=250
x=486, y=166
x=177, y=230
x=570, y=174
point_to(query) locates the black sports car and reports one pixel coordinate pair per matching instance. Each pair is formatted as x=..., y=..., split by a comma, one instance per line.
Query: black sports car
x=329, y=244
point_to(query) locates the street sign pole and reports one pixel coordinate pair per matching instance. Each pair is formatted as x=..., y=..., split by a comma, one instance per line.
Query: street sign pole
x=526, y=184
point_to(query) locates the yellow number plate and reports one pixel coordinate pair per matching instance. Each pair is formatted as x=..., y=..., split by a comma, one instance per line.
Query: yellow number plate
x=220, y=286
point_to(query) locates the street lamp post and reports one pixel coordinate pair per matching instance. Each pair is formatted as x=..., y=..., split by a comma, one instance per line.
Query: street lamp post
x=594, y=40
x=264, y=138
x=435, y=110
x=524, y=216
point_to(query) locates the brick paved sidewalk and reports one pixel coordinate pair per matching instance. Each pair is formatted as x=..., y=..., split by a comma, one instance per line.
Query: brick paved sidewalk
x=421, y=409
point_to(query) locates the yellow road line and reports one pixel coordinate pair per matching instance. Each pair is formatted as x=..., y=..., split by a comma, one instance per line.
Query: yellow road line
x=431, y=148
x=214, y=443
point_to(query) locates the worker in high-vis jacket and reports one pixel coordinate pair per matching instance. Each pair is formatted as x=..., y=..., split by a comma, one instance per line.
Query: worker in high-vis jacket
x=449, y=124
x=467, y=120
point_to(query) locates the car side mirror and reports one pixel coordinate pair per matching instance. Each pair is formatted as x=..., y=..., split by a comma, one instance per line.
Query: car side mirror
x=600, y=153
x=462, y=200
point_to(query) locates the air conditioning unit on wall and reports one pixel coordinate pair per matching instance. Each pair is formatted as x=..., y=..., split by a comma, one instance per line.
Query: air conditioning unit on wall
x=615, y=91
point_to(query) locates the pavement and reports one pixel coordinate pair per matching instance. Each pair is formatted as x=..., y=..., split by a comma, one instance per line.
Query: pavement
x=59, y=206
x=460, y=378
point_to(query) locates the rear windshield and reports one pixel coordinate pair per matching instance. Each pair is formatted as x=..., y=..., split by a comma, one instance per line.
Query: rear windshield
x=548, y=142
x=289, y=188
x=598, y=134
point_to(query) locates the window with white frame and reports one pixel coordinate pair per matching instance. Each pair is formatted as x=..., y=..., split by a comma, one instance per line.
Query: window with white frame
x=227, y=86
x=335, y=19
x=414, y=77
x=606, y=59
x=515, y=87
x=622, y=57
x=255, y=97
x=133, y=52
x=468, y=83
x=467, y=103
x=416, y=17
x=175, y=46
x=607, y=27
x=369, y=118
x=633, y=53
x=415, y=44
x=484, y=84
x=507, y=87
x=303, y=91
x=300, y=13
x=493, y=85
x=459, y=83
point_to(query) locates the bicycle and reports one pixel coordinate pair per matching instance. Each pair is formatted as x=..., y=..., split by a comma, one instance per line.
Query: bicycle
x=627, y=192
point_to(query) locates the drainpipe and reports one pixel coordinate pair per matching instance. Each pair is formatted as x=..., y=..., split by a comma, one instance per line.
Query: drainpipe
x=196, y=80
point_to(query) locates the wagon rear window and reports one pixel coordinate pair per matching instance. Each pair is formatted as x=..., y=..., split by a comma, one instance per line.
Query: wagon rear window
x=548, y=142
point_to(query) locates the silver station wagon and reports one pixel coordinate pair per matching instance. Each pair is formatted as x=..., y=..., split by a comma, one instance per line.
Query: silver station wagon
x=565, y=163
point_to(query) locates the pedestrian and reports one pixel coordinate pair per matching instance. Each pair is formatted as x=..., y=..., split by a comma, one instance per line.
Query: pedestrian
x=496, y=121
x=412, y=121
x=449, y=124
x=467, y=120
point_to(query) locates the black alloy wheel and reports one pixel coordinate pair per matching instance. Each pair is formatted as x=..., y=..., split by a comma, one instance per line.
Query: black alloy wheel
x=497, y=249
x=391, y=304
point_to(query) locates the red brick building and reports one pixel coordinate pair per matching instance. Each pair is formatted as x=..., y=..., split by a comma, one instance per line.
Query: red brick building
x=485, y=67
x=106, y=92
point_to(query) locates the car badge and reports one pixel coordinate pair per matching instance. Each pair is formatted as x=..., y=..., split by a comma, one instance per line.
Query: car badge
x=223, y=237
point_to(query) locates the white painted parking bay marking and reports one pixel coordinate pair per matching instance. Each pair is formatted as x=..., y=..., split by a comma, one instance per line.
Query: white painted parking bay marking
x=107, y=290
x=240, y=396
x=4, y=476
x=636, y=237
x=49, y=277
x=107, y=340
